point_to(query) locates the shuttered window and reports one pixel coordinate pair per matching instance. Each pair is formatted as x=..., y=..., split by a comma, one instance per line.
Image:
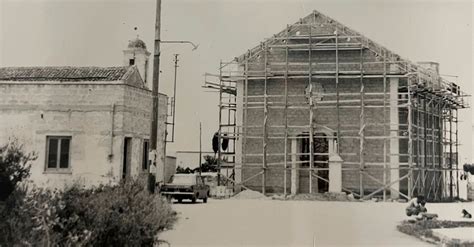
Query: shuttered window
x=58, y=152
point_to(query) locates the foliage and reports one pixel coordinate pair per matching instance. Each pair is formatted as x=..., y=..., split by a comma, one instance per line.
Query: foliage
x=110, y=215
x=424, y=230
x=107, y=215
x=31, y=217
x=182, y=170
x=209, y=165
x=15, y=166
x=116, y=214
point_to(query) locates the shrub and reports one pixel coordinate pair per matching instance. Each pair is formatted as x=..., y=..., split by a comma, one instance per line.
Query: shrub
x=114, y=215
x=15, y=166
x=424, y=230
x=110, y=215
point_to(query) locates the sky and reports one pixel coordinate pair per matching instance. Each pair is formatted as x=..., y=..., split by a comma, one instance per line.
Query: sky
x=94, y=33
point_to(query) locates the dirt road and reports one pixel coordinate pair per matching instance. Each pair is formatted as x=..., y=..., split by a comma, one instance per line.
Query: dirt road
x=294, y=223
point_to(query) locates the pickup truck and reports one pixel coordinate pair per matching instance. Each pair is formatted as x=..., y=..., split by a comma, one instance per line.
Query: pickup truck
x=186, y=186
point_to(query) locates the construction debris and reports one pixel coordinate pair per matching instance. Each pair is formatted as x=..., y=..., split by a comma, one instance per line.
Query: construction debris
x=317, y=197
x=250, y=194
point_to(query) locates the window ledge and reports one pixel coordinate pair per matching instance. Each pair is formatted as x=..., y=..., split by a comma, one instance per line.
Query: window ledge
x=54, y=171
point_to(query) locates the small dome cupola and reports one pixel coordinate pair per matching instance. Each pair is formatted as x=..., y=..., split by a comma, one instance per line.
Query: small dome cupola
x=136, y=54
x=136, y=43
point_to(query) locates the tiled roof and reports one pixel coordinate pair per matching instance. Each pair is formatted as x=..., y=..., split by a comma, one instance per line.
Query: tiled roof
x=63, y=73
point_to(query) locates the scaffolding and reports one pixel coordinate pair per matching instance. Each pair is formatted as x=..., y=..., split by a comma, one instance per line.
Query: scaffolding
x=404, y=141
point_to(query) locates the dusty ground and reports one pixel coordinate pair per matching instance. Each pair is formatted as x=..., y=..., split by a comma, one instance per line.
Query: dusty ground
x=297, y=223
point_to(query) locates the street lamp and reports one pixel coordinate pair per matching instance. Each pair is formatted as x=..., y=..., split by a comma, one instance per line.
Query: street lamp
x=180, y=42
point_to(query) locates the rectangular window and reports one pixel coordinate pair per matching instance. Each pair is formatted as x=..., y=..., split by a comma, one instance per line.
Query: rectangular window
x=58, y=152
x=131, y=62
x=146, y=150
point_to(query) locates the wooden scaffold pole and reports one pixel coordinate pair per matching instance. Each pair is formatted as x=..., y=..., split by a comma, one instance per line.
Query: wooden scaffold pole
x=410, y=139
x=265, y=119
x=245, y=117
x=384, y=124
x=433, y=146
x=311, y=129
x=219, y=132
x=337, y=95
x=425, y=164
x=361, y=126
x=450, y=153
x=440, y=144
x=286, y=114
x=457, y=154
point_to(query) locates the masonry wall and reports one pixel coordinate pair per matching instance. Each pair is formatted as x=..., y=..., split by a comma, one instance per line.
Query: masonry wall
x=325, y=115
x=85, y=111
x=137, y=115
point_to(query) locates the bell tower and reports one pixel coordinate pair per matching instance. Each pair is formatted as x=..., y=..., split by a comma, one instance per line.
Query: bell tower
x=137, y=54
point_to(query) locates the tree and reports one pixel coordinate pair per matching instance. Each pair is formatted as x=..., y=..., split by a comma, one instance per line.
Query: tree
x=182, y=170
x=15, y=166
x=209, y=165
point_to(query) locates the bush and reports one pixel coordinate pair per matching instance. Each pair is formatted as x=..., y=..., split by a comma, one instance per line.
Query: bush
x=123, y=214
x=114, y=215
x=424, y=230
x=15, y=166
x=107, y=215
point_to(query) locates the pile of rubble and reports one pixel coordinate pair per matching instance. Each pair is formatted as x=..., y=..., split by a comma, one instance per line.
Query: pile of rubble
x=250, y=194
x=318, y=197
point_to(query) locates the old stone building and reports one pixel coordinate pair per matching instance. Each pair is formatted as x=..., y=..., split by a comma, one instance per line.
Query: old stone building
x=319, y=107
x=88, y=125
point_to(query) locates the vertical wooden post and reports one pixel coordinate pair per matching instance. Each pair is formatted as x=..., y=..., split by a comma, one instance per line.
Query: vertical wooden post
x=410, y=139
x=450, y=153
x=265, y=119
x=441, y=160
x=311, y=129
x=200, y=148
x=418, y=163
x=425, y=163
x=245, y=120
x=362, y=126
x=457, y=154
x=433, y=146
x=219, y=133
x=337, y=95
x=286, y=115
x=384, y=125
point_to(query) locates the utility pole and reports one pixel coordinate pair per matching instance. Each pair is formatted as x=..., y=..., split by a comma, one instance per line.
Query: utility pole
x=155, y=87
x=200, y=149
x=174, y=93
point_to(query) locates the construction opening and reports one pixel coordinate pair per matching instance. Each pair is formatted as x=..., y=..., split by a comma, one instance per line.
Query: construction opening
x=320, y=108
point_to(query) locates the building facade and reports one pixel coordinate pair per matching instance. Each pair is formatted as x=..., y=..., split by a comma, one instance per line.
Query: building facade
x=319, y=107
x=87, y=125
